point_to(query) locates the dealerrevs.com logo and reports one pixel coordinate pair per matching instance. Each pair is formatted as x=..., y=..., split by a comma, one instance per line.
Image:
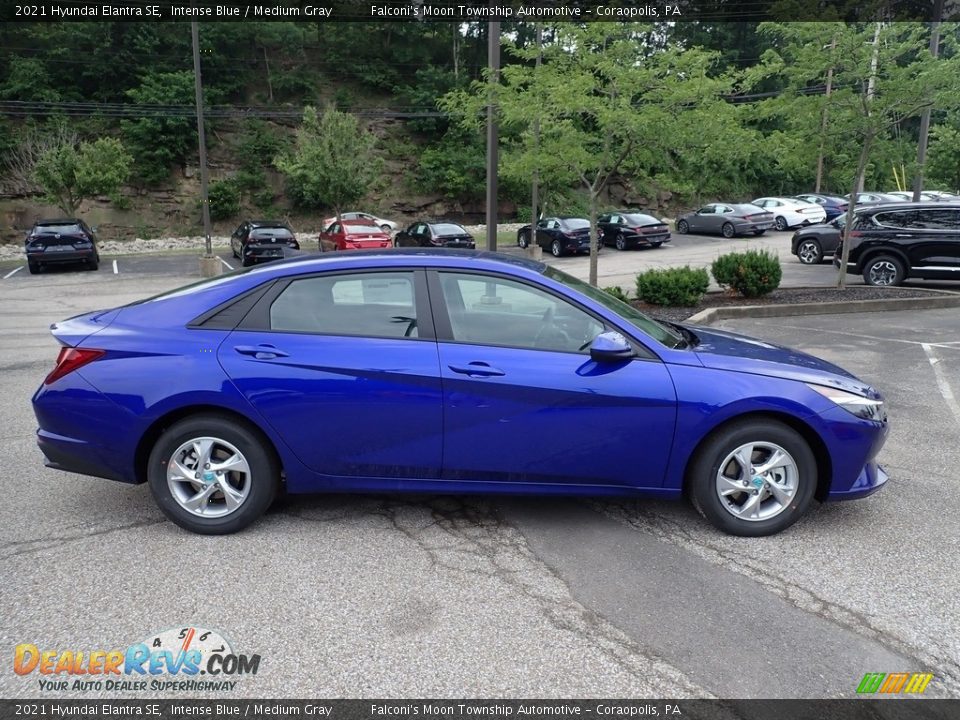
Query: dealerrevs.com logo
x=190, y=659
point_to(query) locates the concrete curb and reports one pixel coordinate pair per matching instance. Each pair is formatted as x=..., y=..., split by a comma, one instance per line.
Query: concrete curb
x=706, y=317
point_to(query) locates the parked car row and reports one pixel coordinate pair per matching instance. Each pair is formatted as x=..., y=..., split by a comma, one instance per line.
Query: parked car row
x=623, y=229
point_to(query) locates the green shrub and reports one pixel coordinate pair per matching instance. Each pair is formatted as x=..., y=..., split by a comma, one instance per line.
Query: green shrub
x=673, y=286
x=752, y=273
x=224, y=196
x=617, y=292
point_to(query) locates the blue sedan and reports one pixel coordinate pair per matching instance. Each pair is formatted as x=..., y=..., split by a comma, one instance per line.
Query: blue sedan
x=433, y=371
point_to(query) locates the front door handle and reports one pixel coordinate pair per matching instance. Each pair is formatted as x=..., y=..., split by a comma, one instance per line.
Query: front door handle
x=260, y=352
x=477, y=369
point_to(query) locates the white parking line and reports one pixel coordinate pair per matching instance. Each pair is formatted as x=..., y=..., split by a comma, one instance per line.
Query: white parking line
x=115, y=270
x=872, y=337
x=944, y=386
x=226, y=264
x=15, y=270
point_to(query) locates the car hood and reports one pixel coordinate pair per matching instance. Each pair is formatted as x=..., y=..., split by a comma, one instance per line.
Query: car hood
x=723, y=350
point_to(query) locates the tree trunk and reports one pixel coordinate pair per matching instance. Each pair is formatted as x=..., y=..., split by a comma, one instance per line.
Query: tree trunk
x=594, y=239
x=857, y=183
x=266, y=63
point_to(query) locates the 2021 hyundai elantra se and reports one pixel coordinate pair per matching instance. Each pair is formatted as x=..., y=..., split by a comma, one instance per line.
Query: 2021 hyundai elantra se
x=445, y=372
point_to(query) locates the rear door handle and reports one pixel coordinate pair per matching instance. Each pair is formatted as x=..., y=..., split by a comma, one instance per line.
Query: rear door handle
x=260, y=352
x=477, y=369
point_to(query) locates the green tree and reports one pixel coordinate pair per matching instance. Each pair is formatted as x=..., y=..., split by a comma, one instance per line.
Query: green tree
x=944, y=162
x=70, y=174
x=602, y=100
x=882, y=76
x=333, y=161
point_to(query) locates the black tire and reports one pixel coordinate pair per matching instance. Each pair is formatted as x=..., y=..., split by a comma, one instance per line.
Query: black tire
x=263, y=479
x=556, y=248
x=682, y=227
x=33, y=267
x=387, y=229
x=234, y=251
x=523, y=239
x=655, y=245
x=781, y=223
x=809, y=252
x=620, y=243
x=93, y=263
x=706, y=466
x=884, y=271
x=728, y=230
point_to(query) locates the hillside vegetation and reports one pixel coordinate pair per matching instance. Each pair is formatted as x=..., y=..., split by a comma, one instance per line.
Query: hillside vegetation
x=99, y=117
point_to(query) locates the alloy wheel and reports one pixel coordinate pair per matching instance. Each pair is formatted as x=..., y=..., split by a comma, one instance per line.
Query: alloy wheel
x=757, y=481
x=208, y=477
x=883, y=273
x=809, y=252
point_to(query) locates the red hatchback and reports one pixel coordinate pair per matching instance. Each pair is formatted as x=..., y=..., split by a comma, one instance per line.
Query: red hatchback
x=354, y=235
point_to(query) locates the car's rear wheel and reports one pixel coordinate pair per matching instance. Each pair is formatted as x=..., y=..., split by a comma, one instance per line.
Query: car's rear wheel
x=809, y=252
x=556, y=249
x=683, y=227
x=781, y=222
x=728, y=230
x=212, y=475
x=93, y=263
x=386, y=228
x=33, y=267
x=233, y=249
x=523, y=239
x=621, y=243
x=883, y=271
x=753, y=478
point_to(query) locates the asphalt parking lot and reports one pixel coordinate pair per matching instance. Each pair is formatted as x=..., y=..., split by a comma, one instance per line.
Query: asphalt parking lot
x=390, y=596
x=614, y=267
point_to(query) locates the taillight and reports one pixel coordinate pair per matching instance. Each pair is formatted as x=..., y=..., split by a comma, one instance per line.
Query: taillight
x=856, y=233
x=71, y=359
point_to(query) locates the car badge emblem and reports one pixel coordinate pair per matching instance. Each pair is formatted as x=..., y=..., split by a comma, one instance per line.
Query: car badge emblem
x=209, y=477
x=758, y=481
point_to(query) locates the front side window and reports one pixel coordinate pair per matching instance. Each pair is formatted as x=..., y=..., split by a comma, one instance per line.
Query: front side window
x=493, y=311
x=365, y=304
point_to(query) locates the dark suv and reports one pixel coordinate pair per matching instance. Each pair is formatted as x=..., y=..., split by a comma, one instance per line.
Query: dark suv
x=61, y=241
x=889, y=243
x=262, y=240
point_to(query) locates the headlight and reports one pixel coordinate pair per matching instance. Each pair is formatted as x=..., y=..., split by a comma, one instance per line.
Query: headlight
x=858, y=405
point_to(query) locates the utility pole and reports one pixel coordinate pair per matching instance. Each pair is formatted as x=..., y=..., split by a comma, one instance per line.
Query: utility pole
x=823, y=121
x=534, y=248
x=209, y=264
x=493, y=138
x=925, y=117
x=871, y=85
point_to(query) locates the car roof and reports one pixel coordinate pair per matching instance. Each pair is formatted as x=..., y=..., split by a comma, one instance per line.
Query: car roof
x=928, y=205
x=59, y=221
x=385, y=258
x=269, y=223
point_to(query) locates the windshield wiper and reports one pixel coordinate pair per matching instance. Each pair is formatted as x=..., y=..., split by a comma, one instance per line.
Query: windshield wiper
x=690, y=338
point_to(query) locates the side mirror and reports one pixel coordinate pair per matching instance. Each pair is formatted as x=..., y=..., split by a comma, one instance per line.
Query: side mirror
x=611, y=347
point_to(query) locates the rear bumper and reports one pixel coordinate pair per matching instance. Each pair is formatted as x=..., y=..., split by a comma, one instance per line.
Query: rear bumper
x=76, y=456
x=754, y=226
x=70, y=256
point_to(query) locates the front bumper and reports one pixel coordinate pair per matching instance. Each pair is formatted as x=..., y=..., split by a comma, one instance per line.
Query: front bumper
x=871, y=479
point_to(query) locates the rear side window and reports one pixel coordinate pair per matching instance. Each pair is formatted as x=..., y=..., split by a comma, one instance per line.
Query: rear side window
x=905, y=219
x=940, y=219
x=365, y=304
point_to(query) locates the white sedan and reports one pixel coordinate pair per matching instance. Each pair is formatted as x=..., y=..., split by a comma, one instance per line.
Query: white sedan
x=385, y=225
x=790, y=212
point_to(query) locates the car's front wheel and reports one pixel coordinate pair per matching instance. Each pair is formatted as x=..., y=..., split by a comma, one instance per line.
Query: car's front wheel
x=523, y=240
x=212, y=475
x=883, y=271
x=809, y=252
x=753, y=478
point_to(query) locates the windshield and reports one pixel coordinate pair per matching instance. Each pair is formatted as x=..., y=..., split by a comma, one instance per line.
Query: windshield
x=658, y=331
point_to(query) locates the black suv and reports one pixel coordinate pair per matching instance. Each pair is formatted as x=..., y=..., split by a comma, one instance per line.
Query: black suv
x=55, y=242
x=262, y=240
x=889, y=243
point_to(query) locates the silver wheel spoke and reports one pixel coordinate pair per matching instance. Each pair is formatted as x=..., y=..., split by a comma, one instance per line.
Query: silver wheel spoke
x=777, y=459
x=203, y=448
x=742, y=458
x=198, y=503
x=782, y=494
x=231, y=496
x=751, y=507
x=235, y=462
x=727, y=486
x=178, y=471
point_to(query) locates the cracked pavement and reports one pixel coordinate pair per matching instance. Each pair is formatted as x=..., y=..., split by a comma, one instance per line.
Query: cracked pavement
x=434, y=596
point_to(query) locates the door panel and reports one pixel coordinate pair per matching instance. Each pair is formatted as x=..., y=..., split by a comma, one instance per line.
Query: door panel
x=534, y=416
